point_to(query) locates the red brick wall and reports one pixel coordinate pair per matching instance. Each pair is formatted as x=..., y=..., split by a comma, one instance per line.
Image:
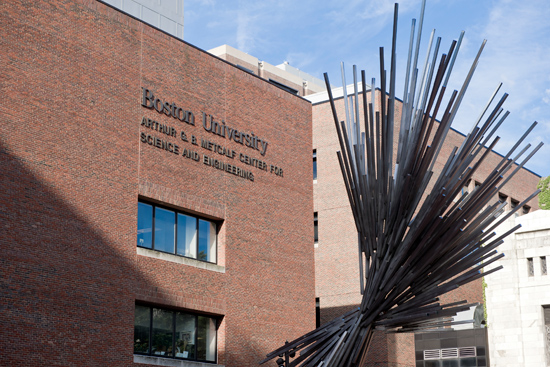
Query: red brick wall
x=73, y=168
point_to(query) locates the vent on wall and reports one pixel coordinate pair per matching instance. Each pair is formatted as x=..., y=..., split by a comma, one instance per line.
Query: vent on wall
x=449, y=353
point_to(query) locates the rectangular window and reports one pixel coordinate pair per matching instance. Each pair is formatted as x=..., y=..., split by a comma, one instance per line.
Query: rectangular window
x=502, y=198
x=543, y=268
x=167, y=230
x=315, y=164
x=526, y=209
x=514, y=203
x=174, y=334
x=315, y=228
x=530, y=267
x=317, y=312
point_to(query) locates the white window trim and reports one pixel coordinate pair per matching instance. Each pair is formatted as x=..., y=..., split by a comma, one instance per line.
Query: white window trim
x=159, y=361
x=180, y=259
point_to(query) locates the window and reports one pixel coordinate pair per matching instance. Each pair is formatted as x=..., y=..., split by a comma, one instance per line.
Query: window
x=317, y=312
x=174, y=334
x=314, y=164
x=502, y=198
x=530, y=267
x=284, y=87
x=526, y=209
x=514, y=203
x=315, y=228
x=543, y=268
x=176, y=233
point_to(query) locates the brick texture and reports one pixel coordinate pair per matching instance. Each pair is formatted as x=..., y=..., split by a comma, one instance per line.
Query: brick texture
x=73, y=168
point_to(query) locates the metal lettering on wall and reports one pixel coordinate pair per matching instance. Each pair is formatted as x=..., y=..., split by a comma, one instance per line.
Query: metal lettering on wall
x=211, y=125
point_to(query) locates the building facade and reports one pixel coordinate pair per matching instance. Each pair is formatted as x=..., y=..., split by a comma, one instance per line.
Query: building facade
x=150, y=197
x=335, y=237
x=336, y=261
x=283, y=75
x=166, y=15
x=518, y=296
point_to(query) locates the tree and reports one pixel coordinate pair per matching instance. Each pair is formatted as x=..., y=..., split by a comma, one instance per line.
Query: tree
x=544, y=195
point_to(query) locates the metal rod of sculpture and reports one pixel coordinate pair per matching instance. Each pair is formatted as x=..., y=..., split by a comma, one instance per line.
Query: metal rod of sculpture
x=415, y=244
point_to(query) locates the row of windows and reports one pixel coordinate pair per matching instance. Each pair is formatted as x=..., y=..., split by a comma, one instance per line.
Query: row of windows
x=174, y=334
x=531, y=266
x=177, y=233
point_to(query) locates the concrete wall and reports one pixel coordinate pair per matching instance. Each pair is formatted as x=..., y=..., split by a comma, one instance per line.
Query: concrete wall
x=515, y=298
x=163, y=14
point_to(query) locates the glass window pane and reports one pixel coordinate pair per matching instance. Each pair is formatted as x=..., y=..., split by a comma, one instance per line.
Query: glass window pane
x=468, y=362
x=314, y=164
x=187, y=236
x=206, y=339
x=162, y=332
x=165, y=223
x=315, y=228
x=145, y=225
x=142, y=324
x=434, y=363
x=449, y=363
x=185, y=336
x=207, y=241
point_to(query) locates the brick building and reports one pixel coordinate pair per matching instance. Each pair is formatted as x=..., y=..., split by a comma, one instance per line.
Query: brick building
x=336, y=263
x=152, y=197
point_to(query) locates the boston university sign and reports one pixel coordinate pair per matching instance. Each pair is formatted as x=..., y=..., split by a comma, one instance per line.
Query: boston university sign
x=186, y=144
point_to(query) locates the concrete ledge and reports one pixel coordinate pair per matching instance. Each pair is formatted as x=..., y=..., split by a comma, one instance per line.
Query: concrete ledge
x=180, y=260
x=158, y=361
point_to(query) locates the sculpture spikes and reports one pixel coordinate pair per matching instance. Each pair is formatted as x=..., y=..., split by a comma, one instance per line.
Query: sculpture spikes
x=414, y=244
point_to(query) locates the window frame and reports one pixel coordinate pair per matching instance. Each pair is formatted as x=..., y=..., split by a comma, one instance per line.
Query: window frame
x=174, y=324
x=315, y=227
x=315, y=165
x=197, y=218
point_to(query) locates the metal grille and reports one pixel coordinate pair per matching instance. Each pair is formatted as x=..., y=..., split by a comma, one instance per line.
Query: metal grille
x=547, y=345
x=432, y=354
x=467, y=352
x=543, y=268
x=530, y=267
x=449, y=353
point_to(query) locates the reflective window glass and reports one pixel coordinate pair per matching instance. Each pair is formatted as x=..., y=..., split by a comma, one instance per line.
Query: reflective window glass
x=207, y=241
x=165, y=221
x=449, y=363
x=142, y=324
x=163, y=332
x=206, y=339
x=174, y=334
x=314, y=164
x=176, y=233
x=468, y=362
x=187, y=236
x=145, y=225
x=185, y=336
x=315, y=228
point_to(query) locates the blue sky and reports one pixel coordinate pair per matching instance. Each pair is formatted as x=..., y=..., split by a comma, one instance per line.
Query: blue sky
x=315, y=36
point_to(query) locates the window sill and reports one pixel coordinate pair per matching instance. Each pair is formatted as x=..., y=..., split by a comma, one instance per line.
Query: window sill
x=180, y=260
x=159, y=361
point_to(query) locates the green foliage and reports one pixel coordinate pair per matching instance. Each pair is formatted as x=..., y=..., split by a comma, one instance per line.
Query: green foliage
x=544, y=195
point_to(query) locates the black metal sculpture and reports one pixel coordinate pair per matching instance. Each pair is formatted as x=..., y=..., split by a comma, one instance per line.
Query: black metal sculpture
x=414, y=244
